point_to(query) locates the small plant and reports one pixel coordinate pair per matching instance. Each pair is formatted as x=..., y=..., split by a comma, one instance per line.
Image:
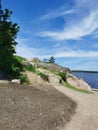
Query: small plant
x=60, y=81
x=30, y=68
x=63, y=76
x=24, y=79
x=46, y=68
x=44, y=76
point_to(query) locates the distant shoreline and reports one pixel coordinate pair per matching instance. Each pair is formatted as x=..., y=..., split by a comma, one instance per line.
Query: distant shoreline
x=85, y=71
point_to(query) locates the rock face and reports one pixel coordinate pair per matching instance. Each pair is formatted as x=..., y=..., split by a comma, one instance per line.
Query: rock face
x=76, y=82
x=51, y=66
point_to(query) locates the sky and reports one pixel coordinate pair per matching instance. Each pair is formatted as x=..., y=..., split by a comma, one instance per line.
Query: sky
x=65, y=29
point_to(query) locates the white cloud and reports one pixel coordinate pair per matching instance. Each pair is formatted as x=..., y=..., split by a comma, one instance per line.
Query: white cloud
x=77, y=53
x=56, y=14
x=24, y=50
x=90, y=65
x=76, y=31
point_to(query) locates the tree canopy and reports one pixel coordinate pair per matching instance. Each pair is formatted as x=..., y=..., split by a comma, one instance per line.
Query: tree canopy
x=8, y=33
x=52, y=59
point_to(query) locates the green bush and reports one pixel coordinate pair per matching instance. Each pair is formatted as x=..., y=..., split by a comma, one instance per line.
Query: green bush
x=14, y=70
x=44, y=76
x=24, y=78
x=19, y=58
x=63, y=76
x=30, y=68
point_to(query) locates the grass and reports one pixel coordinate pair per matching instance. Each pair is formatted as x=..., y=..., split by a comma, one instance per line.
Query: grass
x=30, y=68
x=43, y=76
x=19, y=58
x=76, y=89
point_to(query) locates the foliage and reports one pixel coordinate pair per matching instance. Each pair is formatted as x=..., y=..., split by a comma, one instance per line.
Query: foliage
x=30, y=68
x=52, y=59
x=10, y=66
x=63, y=76
x=19, y=58
x=44, y=76
x=24, y=79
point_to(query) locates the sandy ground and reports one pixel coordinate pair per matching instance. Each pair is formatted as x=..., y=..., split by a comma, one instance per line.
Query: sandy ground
x=86, y=117
x=38, y=107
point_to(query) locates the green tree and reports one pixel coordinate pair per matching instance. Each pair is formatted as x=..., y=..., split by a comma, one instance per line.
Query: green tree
x=52, y=59
x=8, y=33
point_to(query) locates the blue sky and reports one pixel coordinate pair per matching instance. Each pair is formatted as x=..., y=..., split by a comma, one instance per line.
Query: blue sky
x=65, y=29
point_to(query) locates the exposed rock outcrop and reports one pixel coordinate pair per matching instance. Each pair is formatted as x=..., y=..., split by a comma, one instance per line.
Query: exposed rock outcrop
x=76, y=82
x=50, y=66
x=71, y=79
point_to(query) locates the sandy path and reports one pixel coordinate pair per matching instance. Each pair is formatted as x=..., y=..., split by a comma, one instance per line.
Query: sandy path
x=86, y=117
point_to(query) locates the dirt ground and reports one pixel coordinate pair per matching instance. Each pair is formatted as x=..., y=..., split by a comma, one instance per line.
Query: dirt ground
x=39, y=107
x=86, y=116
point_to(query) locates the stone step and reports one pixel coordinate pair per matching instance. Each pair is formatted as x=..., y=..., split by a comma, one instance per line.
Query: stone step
x=54, y=79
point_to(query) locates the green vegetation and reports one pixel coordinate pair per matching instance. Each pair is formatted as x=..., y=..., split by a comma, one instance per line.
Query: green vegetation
x=44, y=67
x=63, y=76
x=24, y=79
x=9, y=65
x=19, y=58
x=76, y=89
x=43, y=76
x=52, y=59
x=30, y=68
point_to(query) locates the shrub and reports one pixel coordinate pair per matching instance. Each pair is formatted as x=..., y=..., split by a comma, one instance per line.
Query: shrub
x=30, y=68
x=24, y=78
x=19, y=58
x=44, y=76
x=14, y=70
x=63, y=76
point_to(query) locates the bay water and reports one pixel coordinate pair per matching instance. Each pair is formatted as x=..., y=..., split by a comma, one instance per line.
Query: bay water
x=90, y=77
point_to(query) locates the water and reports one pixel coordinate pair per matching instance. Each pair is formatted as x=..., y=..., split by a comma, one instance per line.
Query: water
x=90, y=78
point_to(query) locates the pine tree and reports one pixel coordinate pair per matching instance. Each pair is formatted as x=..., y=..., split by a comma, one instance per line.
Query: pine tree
x=52, y=59
x=8, y=33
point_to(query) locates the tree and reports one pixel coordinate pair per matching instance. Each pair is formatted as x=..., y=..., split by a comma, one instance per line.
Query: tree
x=52, y=59
x=8, y=33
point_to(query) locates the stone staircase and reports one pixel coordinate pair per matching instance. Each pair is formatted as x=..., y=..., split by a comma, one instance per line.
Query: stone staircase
x=54, y=79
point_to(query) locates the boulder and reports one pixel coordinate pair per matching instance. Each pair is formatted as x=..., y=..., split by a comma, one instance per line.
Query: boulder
x=16, y=81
